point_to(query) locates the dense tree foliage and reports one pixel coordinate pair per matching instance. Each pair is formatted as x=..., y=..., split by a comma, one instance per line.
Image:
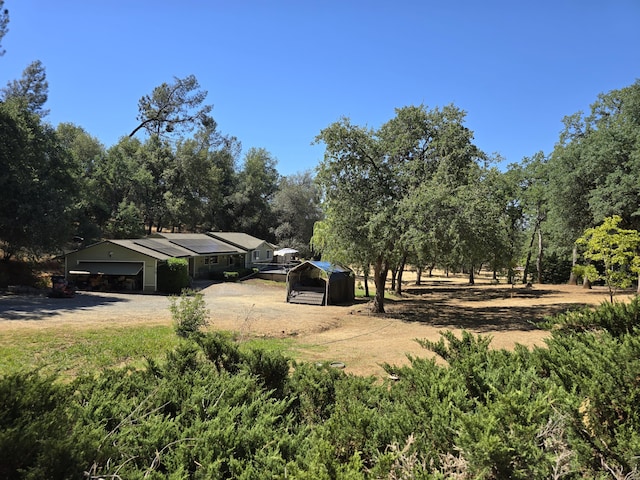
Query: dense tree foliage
x=252, y=200
x=379, y=187
x=296, y=206
x=594, y=168
x=33, y=88
x=616, y=249
x=415, y=191
x=37, y=186
x=214, y=410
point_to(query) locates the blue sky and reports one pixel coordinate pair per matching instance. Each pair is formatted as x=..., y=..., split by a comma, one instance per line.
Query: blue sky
x=278, y=72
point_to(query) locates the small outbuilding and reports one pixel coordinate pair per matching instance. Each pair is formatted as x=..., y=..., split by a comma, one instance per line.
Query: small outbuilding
x=285, y=255
x=320, y=283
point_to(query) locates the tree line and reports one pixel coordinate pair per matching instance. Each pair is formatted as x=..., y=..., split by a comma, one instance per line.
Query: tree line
x=60, y=183
x=417, y=191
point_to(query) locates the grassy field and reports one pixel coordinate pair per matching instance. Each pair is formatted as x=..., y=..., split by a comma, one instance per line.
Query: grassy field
x=70, y=352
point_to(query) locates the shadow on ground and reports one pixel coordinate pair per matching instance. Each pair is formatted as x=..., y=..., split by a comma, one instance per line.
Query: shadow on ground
x=41, y=307
x=441, y=307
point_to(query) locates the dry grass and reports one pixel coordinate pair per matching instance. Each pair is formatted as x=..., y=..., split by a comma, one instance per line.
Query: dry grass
x=348, y=334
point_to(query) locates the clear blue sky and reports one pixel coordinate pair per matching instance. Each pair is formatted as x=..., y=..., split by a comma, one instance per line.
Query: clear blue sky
x=277, y=72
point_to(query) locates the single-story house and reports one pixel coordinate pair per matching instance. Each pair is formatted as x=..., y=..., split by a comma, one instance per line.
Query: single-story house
x=120, y=264
x=259, y=252
x=132, y=264
x=320, y=283
x=207, y=254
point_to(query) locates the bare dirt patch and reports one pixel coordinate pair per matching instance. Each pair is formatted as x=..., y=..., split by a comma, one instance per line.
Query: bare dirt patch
x=348, y=334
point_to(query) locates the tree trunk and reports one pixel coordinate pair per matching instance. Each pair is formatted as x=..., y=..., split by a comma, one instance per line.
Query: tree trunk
x=394, y=272
x=431, y=267
x=525, y=274
x=494, y=273
x=380, y=270
x=418, y=276
x=573, y=278
x=540, y=256
x=399, y=274
x=472, y=280
x=366, y=283
x=586, y=283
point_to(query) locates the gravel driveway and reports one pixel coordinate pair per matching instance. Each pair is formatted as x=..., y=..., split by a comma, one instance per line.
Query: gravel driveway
x=252, y=304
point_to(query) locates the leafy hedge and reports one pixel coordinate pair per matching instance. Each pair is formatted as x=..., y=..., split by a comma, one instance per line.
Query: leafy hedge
x=173, y=276
x=210, y=410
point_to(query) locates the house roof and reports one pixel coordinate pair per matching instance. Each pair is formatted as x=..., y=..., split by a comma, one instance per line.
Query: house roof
x=159, y=251
x=200, y=243
x=178, y=245
x=242, y=240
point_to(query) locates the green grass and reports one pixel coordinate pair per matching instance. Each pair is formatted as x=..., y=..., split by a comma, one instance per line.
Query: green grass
x=69, y=353
x=72, y=352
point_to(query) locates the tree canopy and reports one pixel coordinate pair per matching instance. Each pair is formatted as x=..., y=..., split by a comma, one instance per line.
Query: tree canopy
x=32, y=87
x=174, y=107
x=4, y=24
x=37, y=187
x=374, y=184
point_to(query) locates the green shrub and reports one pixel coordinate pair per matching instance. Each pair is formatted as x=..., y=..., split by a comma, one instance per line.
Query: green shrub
x=616, y=318
x=39, y=435
x=271, y=368
x=555, y=270
x=231, y=276
x=211, y=410
x=189, y=313
x=221, y=351
x=173, y=276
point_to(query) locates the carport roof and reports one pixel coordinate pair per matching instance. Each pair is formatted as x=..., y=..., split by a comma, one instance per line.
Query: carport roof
x=327, y=267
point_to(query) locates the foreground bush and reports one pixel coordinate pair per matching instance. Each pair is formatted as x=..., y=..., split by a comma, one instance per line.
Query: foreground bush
x=211, y=410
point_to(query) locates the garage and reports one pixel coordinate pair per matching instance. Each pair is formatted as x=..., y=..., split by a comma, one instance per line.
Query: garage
x=107, y=276
x=119, y=265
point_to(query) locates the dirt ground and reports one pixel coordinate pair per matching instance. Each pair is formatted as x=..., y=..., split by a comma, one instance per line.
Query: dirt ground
x=346, y=334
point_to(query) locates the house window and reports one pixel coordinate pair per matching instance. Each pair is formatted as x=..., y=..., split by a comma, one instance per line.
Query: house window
x=230, y=260
x=256, y=254
x=212, y=260
x=268, y=254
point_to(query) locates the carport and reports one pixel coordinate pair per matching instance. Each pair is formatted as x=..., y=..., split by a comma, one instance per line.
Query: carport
x=320, y=283
x=108, y=275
